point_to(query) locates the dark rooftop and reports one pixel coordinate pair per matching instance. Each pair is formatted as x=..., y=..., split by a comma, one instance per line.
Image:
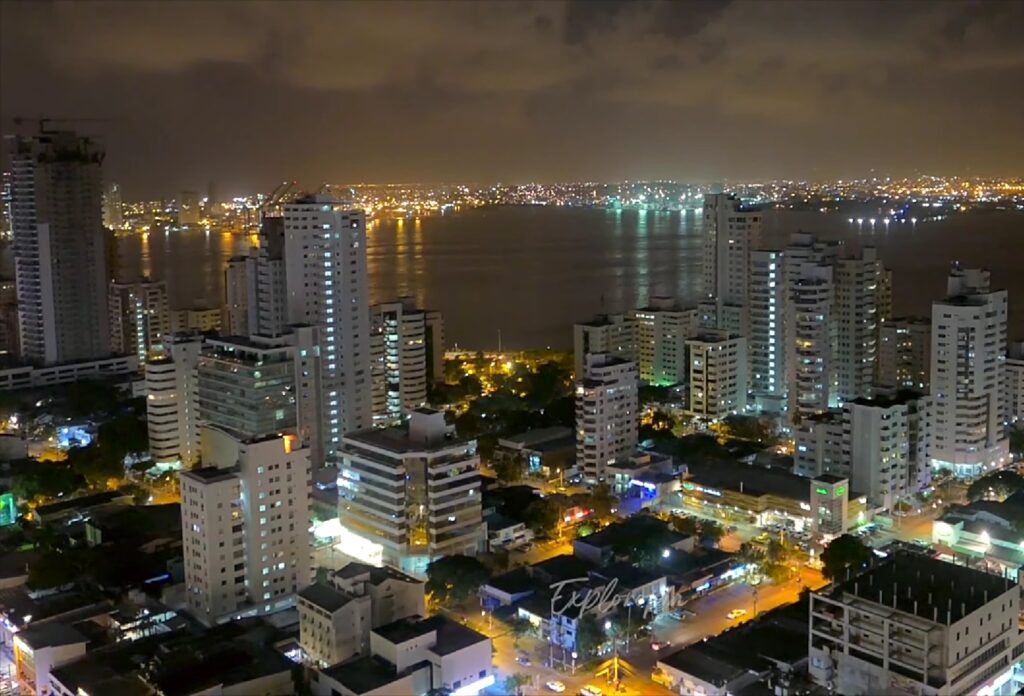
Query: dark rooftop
x=324, y=596
x=363, y=674
x=377, y=575
x=829, y=478
x=516, y=581
x=49, y=635
x=559, y=568
x=210, y=474
x=627, y=531
x=228, y=663
x=451, y=636
x=81, y=503
x=396, y=440
x=534, y=439
x=750, y=480
x=928, y=588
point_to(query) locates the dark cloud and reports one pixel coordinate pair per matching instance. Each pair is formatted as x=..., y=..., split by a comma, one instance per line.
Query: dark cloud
x=249, y=93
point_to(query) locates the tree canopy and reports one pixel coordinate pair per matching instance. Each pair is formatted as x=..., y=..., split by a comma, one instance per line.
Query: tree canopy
x=452, y=579
x=846, y=551
x=998, y=485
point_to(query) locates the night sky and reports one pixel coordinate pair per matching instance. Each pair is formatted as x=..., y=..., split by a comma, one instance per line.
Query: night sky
x=247, y=93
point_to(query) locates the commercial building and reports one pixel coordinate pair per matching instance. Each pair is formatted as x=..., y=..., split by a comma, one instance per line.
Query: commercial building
x=545, y=451
x=913, y=624
x=830, y=508
x=403, y=357
x=731, y=232
x=761, y=496
x=985, y=534
x=968, y=363
x=172, y=400
x=718, y=374
x=407, y=495
x=904, y=355
x=336, y=616
x=40, y=649
x=28, y=376
x=60, y=247
x=607, y=413
x=880, y=445
x=414, y=656
x=325, y=275
x=766, y=345
x=139, y=317
x=245, y=526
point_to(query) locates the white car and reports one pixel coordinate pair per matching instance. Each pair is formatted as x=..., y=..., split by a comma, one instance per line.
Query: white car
x=737, y=613
x=556, y=686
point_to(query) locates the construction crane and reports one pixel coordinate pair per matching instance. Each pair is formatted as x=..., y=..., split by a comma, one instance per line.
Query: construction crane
x=278, y=194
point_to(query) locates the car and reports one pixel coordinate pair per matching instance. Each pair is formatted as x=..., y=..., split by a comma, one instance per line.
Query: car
x=556, y=686
x=659, y=644
x=590, y=690
x=736, y=613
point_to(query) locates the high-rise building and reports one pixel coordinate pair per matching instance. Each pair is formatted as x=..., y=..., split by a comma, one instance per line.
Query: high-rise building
x=172, y=400
x=810, y=340
x=607, y=413
x=435, y=345
x=904, y=354
x=139, y=317
x=731, y=231
x=268, y=308
x=113, y=214
x=880, y=445
x=239, y=286
x=1015, y=383
x=195, y=319
x=189, y=212
x=913, y=624
x=10, y=343
x=608, y=333
x=245, y=526
x=718, y=374
x=400, y=345
x=968, y=362
x=858, y=301
x=408, y=495
x=325, y=273
x=766, y=345
x=659, y=333
x=654, y=337
x=60, y=247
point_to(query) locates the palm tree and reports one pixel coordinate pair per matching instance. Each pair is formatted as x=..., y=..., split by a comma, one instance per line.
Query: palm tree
x=514, y=683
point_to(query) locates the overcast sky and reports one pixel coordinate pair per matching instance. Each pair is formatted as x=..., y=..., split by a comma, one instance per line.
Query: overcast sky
x=249, y=93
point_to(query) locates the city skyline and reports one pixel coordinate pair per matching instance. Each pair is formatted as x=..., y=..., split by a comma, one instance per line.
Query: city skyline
x=521, y=91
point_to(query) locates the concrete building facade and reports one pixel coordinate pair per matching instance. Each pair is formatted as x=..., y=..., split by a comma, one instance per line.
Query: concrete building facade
x=607, y=413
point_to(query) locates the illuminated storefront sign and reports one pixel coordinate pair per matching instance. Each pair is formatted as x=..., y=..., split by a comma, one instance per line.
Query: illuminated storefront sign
x=691, y=486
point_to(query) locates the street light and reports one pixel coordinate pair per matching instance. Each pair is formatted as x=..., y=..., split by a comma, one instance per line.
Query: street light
x=574, y=656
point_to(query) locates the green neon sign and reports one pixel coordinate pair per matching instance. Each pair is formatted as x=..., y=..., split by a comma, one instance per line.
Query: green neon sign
x=688, y=486
x=821, y=491
x=840, y=491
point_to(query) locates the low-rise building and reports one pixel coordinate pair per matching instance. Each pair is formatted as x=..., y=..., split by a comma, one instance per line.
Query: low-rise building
x=41, y=648
x=505, y=533
x=336, y=616
x=602, y=547
x=545, y=451
x=912, y=624
x=414, y=656
x=985, y=534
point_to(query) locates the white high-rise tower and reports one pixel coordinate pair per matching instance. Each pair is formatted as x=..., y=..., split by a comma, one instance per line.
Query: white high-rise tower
x=968, y=360
x=731, y=232
x=325, y=272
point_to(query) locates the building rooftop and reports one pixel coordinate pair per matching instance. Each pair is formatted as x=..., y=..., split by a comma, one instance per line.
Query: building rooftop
x=377, y=575
x=900, y=398
x=82, y=502
x=559, y=568
x=363, y=674
x=925, y=587
x=211, y=474
x=749, y=480
x=14, y=564
x=497, y=521
x=514, y=582
x=830, y=478
x=324, y=596
x=227, y=664
x=621, y=534
x=451, y=636
x=536, y=439
x=51, y=634
x=397, y=440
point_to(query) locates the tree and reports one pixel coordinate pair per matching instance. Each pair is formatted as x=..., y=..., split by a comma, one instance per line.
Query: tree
x=88, y=397
x=776, y=572
x=711, y=531
x=510, y=468
x=452, y=579
x=541, y=516
x=739, y=427
x=846, y=551
x=514, y=683
x=998, y=485
x=589, y=635
x=686, y=525
x=1017, y=440
x=602, y=501
x=518, y=627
